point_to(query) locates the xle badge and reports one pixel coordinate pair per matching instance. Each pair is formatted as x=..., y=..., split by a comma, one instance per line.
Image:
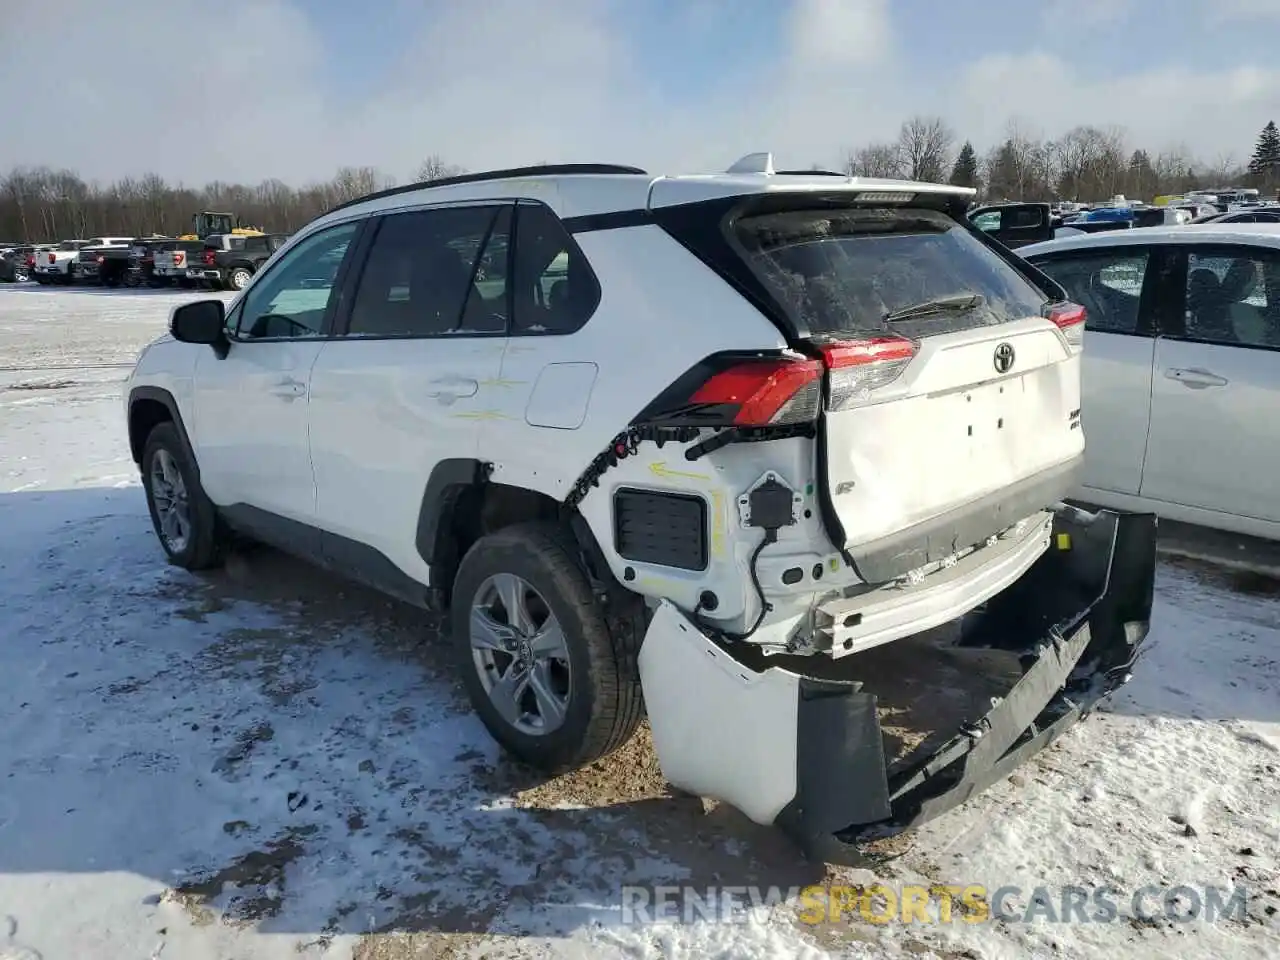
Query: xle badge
x=1004, y=358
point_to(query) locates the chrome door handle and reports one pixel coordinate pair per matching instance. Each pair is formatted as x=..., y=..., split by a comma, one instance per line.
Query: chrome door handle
x=1195, y=378
x=288, y=388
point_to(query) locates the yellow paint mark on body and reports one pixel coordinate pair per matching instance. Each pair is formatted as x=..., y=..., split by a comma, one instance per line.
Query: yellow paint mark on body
x=717, y=524
x=660, y=469
x=480, y=415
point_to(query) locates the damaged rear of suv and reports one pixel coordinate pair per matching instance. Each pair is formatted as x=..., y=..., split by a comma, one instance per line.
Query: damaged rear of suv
x=778, y=459
x=925, y=609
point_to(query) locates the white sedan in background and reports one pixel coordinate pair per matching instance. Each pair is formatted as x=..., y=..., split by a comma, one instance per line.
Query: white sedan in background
x=1181, y=379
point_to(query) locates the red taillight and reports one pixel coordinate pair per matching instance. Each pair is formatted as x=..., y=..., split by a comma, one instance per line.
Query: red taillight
x=209, y=261
x=178, y=257
x=53, y=258
x=1069, y=318
x=101, y=258
x=756, y=393
x=859, y=367
x=31, y=259
x=776, y=391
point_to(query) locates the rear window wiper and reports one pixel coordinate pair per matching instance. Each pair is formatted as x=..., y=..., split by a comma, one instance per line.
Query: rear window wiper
x=958, y=304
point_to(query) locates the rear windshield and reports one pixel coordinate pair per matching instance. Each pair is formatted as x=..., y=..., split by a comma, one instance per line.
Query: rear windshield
x=843, y=271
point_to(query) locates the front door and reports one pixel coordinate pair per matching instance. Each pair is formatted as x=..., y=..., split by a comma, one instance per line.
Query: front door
x=1214, y=436
x=251, y=407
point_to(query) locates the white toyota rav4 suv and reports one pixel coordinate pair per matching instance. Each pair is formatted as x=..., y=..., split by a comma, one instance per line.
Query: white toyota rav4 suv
x=696, y=446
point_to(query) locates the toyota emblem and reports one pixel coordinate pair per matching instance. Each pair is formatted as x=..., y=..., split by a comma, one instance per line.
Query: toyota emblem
x=1004, y=358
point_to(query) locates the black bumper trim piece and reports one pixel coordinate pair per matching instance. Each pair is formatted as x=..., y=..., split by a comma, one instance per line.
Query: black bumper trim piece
x=1075, y=620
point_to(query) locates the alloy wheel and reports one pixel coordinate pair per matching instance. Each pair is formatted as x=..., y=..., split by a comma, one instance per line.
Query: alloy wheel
x=521, y=655
x=173, y=506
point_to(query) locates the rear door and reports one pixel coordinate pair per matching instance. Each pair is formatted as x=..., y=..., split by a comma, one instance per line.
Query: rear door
x=1015, y=224
x=1121, y=288
x=409, y=377
x=951, y=396
x=1215, y=443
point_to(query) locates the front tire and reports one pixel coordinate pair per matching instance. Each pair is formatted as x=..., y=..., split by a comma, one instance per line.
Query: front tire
x=553, y=679
x=184, y=519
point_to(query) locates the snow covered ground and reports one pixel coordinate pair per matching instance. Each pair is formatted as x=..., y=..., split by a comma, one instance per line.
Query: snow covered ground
x=269, y=763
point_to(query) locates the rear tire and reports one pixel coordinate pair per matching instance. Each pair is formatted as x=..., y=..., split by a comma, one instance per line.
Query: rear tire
x=238, y=278
x=184, y=519
x=594, y=683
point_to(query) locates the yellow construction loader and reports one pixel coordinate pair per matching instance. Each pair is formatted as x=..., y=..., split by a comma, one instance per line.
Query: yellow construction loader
x=208, y=223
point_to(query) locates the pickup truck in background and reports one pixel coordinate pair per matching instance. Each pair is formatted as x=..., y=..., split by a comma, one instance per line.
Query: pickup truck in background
x=60, y=264
x=142, y=261
x=54, y=265
x=233, y=269
x=106, y=263
x=170, y=261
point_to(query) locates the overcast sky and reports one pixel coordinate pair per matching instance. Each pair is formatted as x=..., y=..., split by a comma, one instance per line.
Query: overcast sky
x=251, y=89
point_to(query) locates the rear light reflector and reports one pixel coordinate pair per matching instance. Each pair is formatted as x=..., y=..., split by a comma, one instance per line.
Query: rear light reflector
x=53, y=258
x=765, y=392
x=101, y=259
x=208, y=258
x=860, y=367
x=1069, y=318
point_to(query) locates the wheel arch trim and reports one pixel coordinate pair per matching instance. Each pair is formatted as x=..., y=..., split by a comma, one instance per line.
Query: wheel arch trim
x=166, y=399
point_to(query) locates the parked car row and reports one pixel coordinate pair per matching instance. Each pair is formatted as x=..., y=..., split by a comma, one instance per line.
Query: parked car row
x=220, y=261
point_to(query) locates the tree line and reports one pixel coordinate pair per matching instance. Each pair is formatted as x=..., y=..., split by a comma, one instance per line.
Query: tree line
x=1086, y=163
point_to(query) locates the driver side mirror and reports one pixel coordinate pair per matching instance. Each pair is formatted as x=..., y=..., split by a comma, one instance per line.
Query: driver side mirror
x=201, y=322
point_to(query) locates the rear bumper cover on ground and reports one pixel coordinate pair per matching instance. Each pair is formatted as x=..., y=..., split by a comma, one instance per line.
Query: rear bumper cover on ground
x=808, y=755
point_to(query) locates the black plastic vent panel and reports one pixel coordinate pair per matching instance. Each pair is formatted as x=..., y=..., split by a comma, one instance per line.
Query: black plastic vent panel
x=669, y=529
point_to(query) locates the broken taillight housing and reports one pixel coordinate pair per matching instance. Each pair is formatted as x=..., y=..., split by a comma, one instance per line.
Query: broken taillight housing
x=757, y=393
x=764, y=391
x=1069, y=318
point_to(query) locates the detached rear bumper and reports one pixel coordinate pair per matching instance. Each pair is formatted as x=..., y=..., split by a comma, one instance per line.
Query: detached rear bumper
x=808, y=754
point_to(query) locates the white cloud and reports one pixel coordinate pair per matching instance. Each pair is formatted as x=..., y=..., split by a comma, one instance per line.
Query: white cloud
x=840, y=33
x=506, y=82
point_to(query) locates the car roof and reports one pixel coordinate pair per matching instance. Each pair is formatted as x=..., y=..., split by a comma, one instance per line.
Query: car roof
x=579, y=190
x=1258, y=234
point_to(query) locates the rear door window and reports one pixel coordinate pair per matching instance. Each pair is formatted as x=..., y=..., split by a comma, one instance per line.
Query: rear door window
x=1233, y=297
x=426, y=275
x=845, y=272
x=1107, y=284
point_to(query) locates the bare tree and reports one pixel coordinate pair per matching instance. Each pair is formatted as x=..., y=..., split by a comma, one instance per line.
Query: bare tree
x=877, y=160
x=1021, y=167
x=433, y=168
x=924, y=144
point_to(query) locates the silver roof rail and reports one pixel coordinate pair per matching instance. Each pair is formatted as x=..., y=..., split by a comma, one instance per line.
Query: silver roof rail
x=754, y=163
